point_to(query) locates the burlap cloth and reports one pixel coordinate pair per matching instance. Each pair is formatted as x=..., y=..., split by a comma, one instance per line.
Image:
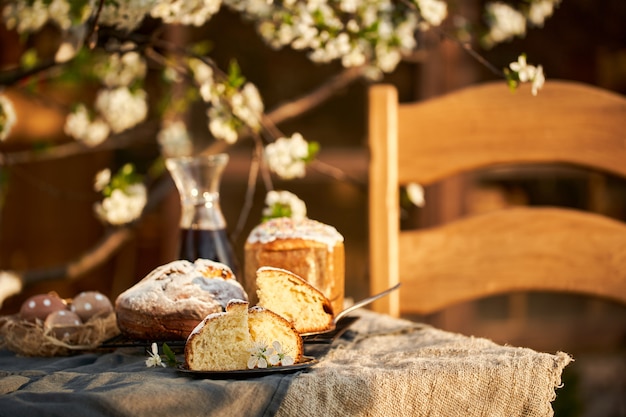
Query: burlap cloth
x=394, y=367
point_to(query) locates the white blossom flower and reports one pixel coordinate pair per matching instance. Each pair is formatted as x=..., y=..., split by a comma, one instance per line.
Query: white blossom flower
x=387, y=58
x=121, y=108
x=348, y=6
x=25, y=17
x=259, y=355
x=524, y=71
x=405, y=33
x=59, y=12
x=341, y=30
x=102, y=179
x=540, y=10
x=125, y=14
x=203, y=76
x=433, y=11
x=120, y=70
x=353, y=58
x=538, y=80
x=155, y=358
x=77, y=122
x=97, y=133
x=186, y=12
x=506, y=22
x=415, y=192
x=7, y=117
x=221, y=123
x=283, y=204
x=31, y=16
x=248, y=106
x=279, y=357
x=174, y=139
x=68, y=48
x=123, y=206
x=79, y=126
x=202, y=73
x=287, y=156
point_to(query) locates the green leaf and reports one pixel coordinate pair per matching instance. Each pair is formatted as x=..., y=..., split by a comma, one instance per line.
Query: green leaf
x=29, y=59
x=170, y=355
x=235, y=79
x=314, y=148
x=512, y=79
x=278, y=210
x=202, y=48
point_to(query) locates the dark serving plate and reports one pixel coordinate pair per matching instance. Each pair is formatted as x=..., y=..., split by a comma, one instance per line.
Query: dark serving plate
x=306, y=362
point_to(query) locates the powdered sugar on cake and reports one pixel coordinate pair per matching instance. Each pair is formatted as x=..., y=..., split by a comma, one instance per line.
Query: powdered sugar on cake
x=288, y=228
x=171, y=300
x=182, y=285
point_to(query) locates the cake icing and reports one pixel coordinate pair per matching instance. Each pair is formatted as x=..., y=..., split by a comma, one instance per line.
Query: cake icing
x=288, y=228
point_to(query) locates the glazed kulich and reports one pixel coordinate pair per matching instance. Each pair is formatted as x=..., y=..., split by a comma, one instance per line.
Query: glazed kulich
x=172, y=299
x=312, y=250
x=224, y=341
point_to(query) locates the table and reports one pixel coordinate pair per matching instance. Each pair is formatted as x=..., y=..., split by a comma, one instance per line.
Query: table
x=380, y=366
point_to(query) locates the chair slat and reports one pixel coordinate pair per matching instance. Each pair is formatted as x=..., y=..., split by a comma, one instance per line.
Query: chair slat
x=520, y=249
x=566, y=123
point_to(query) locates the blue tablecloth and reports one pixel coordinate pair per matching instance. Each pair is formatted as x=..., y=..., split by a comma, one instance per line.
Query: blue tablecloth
x=119, y=384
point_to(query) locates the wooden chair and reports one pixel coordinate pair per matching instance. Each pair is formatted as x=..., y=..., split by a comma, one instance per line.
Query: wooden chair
x=516, y=249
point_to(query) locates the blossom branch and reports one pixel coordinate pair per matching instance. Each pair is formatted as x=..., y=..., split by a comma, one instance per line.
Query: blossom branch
x=143, y=132
x=316, y=97
x=360, y=45
x=338, y=174
x=474, y=54
x=95, y=26
x=12, y=77
x=111, y=243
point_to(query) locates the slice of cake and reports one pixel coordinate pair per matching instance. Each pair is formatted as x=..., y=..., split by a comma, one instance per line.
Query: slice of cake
x=267, y=327
x=288, y=295
x=221, y=341
x=225, y=341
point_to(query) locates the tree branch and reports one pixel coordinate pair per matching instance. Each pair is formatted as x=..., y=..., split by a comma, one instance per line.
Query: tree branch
x=113, y=240
x=119, y=141
x=316, y=97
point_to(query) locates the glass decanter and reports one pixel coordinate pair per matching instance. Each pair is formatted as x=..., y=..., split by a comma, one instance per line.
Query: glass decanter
x=202, y=224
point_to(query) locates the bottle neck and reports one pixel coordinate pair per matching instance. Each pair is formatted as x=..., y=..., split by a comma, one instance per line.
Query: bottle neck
x=202, y=213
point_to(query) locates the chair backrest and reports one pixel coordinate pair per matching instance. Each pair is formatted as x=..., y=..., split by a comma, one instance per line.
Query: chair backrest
x=517, y=249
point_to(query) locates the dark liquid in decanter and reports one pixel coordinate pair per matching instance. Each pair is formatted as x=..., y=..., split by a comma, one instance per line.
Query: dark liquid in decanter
x=207, y=244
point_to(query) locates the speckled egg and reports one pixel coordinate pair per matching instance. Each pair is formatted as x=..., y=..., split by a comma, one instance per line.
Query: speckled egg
x=39, y=306
x=62, y=324
x=88, y=304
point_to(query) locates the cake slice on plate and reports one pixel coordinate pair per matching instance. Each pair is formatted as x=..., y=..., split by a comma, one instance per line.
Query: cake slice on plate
x=225, y=341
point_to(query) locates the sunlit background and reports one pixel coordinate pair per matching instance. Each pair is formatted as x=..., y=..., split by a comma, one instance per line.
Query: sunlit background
x=47, y=217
